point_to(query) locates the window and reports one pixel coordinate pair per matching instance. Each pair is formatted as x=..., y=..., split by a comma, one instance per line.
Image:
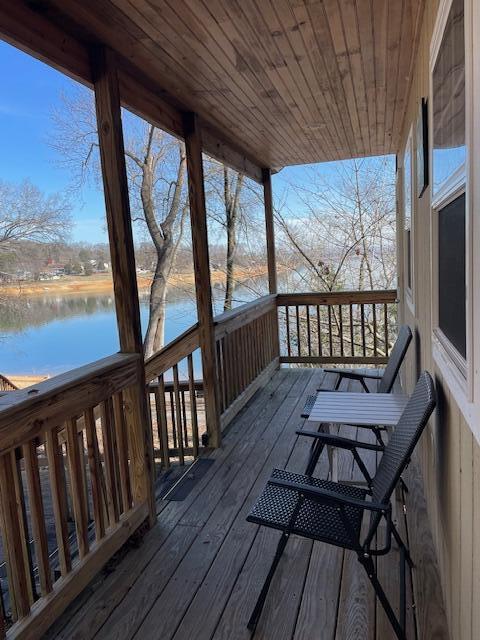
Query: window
x=450, y=241
x=407, y=217
x=448, y=81
x=451, y=273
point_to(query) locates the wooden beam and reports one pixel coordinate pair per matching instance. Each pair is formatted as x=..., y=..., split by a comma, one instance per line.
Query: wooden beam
x=201, y=263
x=270, y=231
x=33, y=33
x=115, y=185
x=227, y=153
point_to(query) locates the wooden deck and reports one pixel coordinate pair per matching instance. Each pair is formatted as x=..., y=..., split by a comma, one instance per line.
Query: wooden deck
x=197, y=573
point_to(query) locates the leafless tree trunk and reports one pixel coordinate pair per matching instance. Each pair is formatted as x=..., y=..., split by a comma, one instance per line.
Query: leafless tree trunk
x=163, y=237
x=155, y=193
x=231, y=199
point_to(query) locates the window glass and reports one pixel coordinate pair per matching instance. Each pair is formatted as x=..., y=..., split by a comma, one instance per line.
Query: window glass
x=407, y=211
x=449, y=99
x=451, y=273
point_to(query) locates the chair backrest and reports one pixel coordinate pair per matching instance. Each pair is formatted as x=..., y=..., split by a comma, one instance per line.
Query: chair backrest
x=395, y=360
x=404, y=439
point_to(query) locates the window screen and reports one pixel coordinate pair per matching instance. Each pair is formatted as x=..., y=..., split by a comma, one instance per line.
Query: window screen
x=451, y=273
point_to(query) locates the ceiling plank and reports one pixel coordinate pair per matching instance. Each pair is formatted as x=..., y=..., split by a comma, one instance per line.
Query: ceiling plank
x=274, y=82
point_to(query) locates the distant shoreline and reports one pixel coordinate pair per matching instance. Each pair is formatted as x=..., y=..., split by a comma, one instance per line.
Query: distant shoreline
x=103, y=283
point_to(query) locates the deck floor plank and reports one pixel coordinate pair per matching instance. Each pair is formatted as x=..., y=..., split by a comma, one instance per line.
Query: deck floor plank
x=197, y=573
x=89, y=619
x=201, y=617
x=177, y=595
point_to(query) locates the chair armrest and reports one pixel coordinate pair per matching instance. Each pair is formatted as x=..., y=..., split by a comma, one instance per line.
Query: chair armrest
x=330, y=497
x=339, y=441
x=354, y=375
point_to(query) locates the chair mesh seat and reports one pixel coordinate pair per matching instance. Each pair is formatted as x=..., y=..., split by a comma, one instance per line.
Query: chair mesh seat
x=275, y=507
x=308, y=406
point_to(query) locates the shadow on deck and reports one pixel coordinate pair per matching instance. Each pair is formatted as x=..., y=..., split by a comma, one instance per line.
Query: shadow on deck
x=197, y=573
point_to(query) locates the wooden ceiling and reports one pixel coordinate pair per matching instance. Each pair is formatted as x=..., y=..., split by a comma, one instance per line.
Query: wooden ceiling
x=289, y=81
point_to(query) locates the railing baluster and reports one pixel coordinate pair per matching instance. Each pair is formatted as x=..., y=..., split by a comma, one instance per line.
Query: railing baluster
x=37, y=514
x=77, y=487
x=59, y=499
x=352, y=333
x=309, y=334
x=220, y=374
x=340, y=329
x=22, y=518
x=122, y=448
x=193, y=405
x=299, y=339
x=374, y=318
x=330, y=337
x=184, y=418
x=362, y=320
x=109, y=458
x=161, y=409
x=178, y=412
x=385, y=320
x=173, y=418
x=287, y=320
x=19, y=580
x=319, y=331
x=95, y=473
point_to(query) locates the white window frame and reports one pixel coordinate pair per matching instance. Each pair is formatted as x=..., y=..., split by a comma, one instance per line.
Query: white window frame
x=459, y=373
x=410, y=181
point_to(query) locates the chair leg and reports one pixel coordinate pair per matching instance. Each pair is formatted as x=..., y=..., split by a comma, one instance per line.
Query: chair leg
x=257, y=611
x=315, y=453
x=403, y=547
x=398, y=625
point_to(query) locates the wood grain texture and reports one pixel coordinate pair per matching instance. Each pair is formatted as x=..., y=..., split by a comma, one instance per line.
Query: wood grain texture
x=270, y=230
x=198, y=220
x=275, y=83
x=204, y=564
x=117, y=204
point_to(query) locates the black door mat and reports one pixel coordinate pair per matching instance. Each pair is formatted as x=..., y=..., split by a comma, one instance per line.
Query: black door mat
x=185, y=484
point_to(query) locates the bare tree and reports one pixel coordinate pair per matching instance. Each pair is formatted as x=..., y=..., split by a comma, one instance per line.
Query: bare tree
x=233, y=204
x=341, y=233
x=156, y=167
x=336, y=230
x=28, y=214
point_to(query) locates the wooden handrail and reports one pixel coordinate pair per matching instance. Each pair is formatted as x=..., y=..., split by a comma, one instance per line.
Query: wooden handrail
x=172, y=353
x=187, y=342
x=337, y=327
x=27, y=412
x=240, y=316
x=337, y=297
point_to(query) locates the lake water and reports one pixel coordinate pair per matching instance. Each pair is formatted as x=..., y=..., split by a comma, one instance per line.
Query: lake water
x=50, y=335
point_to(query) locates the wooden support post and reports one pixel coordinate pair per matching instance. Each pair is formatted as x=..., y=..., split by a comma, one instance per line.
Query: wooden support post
x=115, y=185
x=201, y=263
x=270, y=233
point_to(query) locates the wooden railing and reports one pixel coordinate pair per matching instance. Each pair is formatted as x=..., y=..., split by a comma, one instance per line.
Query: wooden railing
x=6, y=384
x=247, y=352
x=70, y=459
x=345, y=327
x=73, y=457
x=176, y=400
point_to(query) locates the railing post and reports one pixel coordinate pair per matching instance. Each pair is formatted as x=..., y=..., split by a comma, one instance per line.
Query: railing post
x=270, y=232
x=112, y=154
x=201, y=263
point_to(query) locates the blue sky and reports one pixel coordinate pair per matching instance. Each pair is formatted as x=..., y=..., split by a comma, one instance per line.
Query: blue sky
x=30, y=90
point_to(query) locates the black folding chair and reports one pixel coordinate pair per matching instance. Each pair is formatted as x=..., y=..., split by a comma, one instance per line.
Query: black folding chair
x=333, y=512
x=389, y=375
x=387, y=380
